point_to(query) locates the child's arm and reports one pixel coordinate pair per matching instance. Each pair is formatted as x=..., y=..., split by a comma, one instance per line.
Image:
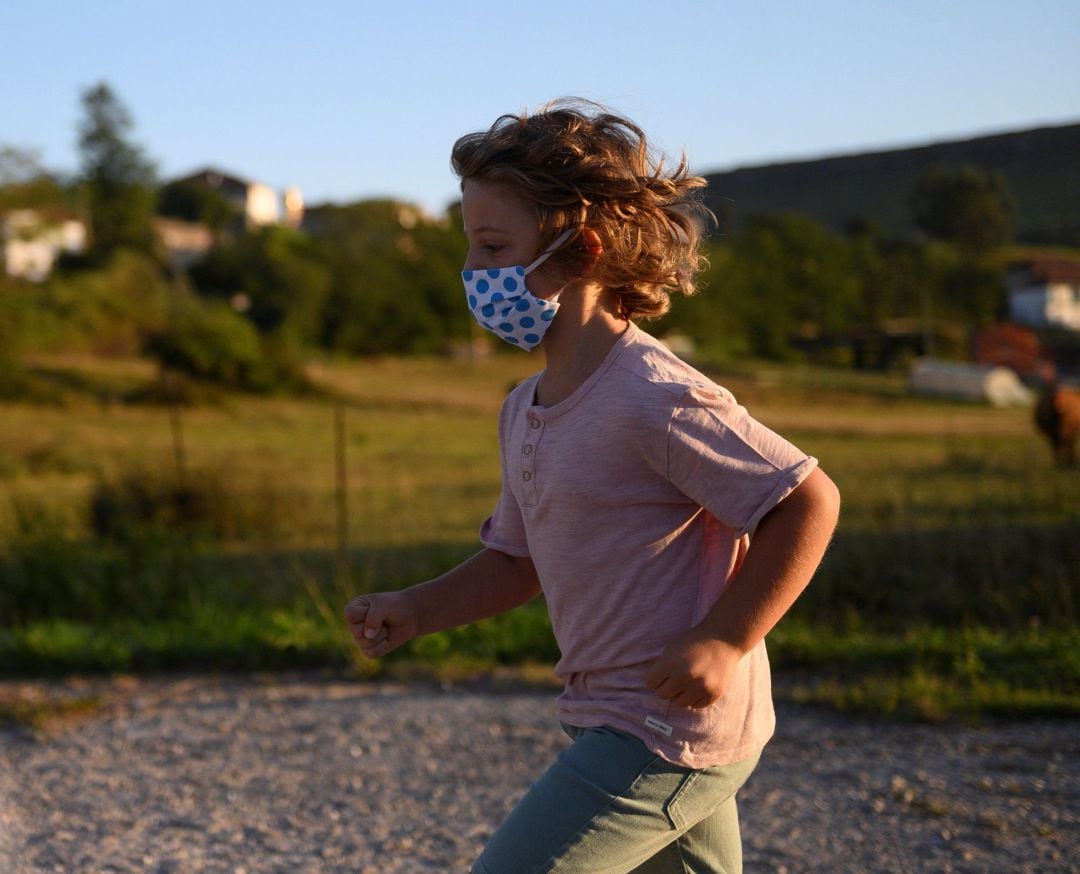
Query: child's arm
x=489, y=583
x=696, y=667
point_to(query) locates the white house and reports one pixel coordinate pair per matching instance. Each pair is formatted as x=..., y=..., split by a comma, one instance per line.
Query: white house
x=184, y=242
x=32, y=242
x=259, y=203
x=1045, y=293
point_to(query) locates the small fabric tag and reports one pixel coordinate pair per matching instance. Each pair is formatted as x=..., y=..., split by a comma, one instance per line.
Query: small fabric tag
x=651, y=722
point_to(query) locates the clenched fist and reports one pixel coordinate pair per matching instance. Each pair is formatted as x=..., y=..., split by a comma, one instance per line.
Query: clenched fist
x=694, y=669
x=381, y=622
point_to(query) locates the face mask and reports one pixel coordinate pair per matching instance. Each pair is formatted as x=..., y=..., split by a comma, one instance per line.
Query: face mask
x=500, y=302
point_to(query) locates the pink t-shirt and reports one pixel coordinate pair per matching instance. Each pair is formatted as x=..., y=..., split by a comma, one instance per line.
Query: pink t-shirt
x=634, y=498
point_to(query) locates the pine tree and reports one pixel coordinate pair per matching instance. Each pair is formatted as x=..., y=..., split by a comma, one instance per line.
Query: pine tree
x=118, y=179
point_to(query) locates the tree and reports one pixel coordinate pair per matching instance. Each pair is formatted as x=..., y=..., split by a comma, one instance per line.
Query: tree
x=275, y=276
x=119, y=181
x=788, y=275
x=19, y=165
x=396, y=279
x=966, y=207
x=193, y=202
x=25, y=183
x=974, y=289
x=784, y=282
x=970, y=211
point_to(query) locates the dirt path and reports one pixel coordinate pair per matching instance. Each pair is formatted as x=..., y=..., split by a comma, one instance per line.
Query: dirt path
x=306, y=774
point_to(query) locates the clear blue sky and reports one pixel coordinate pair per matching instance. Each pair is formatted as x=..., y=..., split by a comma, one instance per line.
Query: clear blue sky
x=361, y=99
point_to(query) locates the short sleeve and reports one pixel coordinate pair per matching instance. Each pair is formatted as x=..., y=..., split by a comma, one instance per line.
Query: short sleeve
x=729, y=463
x=504, y=529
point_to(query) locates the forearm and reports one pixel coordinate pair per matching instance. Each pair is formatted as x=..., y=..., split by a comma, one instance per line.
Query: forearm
x=785, y=551
x=487, y=584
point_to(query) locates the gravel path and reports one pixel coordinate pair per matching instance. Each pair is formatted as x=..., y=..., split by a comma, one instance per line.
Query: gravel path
x=308, y=774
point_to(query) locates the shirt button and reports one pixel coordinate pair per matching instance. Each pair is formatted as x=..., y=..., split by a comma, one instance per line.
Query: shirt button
x=526, y=476
x=528, y=449
x=536, y=423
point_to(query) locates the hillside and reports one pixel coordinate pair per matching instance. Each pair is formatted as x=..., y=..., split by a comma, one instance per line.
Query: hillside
x=1041, y=168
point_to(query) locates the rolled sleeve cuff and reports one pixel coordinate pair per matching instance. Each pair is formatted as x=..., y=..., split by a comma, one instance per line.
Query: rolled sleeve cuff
x=792, y=479
x=492, y=539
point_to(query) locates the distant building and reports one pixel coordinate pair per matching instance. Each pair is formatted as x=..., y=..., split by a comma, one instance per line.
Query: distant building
x=1045, y=293
x=32, y=242
x=1015, y=347
x=185, y=243
x=260, y=204
x=294, y=207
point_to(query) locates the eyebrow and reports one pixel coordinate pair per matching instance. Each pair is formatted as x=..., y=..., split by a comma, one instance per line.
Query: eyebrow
x=487, y=229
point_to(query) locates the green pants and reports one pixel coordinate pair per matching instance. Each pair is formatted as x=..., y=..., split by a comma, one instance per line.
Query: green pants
x=610, y=806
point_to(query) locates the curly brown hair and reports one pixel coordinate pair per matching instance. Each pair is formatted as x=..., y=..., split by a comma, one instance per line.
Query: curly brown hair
x=581, y=165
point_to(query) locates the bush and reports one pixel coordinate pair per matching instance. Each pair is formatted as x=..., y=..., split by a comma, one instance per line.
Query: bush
x=208, y=340
x=16, y=382
x=208, y=505
x=146, y=550
x=124, y=510
x=47, y=573
x=13, y=378
x=107, y=311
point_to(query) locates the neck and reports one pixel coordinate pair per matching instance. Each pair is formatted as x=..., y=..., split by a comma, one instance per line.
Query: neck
x=579, y=339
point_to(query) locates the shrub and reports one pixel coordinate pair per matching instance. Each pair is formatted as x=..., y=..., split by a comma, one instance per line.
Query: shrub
x=125, y=509
x=209, y=504
x=208, y=340
x=146, y=550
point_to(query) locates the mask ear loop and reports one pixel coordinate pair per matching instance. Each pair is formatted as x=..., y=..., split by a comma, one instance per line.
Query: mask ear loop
x=551, y=250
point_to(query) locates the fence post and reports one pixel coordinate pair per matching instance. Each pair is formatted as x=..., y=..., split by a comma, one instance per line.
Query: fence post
x=342, y=489
x=176, y=426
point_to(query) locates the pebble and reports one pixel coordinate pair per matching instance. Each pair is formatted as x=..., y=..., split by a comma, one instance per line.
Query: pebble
x=308, y=773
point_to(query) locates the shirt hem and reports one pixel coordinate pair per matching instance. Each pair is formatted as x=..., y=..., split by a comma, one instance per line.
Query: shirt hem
x=693, y=761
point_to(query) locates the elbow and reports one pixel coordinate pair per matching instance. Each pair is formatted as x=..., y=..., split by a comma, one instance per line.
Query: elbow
x=523, y=573
x=819, y=499
x=830, y=500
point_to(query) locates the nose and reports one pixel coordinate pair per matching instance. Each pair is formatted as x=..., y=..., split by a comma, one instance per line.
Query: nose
x=473, y=262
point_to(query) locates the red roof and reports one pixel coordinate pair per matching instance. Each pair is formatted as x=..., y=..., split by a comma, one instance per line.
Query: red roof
x=1046, y=269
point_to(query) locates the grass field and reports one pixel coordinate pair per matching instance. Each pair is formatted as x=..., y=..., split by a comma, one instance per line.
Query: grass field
x=950, y=589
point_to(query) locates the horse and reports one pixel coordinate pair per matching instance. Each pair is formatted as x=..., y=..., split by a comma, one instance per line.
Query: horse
x=1057, y=415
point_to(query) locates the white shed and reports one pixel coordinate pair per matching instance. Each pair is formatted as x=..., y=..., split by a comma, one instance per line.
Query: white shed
x=998, y=386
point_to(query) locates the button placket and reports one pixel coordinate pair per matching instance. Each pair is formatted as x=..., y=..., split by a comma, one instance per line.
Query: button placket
x=528, y=455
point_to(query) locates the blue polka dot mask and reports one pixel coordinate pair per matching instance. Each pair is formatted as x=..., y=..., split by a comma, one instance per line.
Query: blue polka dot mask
x=500, y=302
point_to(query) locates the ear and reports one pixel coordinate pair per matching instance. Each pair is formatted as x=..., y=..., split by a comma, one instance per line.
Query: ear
x=591, y=248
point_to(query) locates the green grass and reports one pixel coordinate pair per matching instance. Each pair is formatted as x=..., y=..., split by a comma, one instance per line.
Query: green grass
x=949, y=591
x=931, y=673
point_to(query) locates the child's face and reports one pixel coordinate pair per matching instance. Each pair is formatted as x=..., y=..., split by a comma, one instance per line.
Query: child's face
x=502, y=230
